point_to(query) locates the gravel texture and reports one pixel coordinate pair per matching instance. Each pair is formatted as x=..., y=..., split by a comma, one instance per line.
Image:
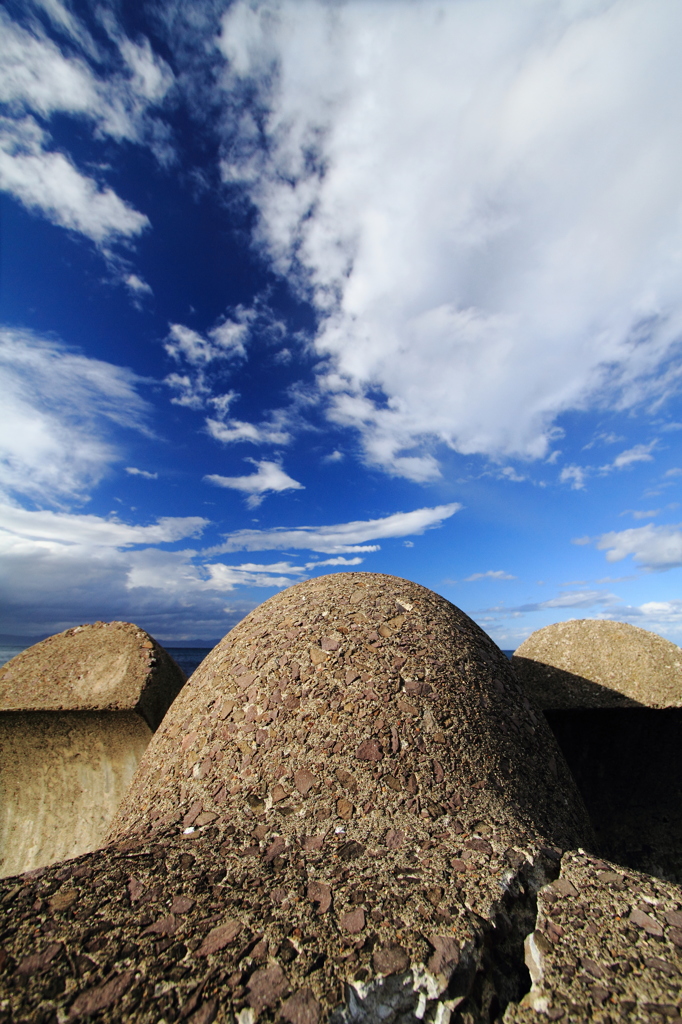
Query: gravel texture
x=590, y=663
x=346, y=816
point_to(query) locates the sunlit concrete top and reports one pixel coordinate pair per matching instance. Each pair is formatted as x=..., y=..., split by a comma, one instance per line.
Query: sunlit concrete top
x=591, y=663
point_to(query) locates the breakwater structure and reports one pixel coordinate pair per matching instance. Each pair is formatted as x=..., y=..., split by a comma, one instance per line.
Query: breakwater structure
x=76, y=714
x=353, y=811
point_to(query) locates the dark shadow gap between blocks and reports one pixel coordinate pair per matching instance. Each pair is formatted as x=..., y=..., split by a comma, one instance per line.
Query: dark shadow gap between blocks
x=627, y=763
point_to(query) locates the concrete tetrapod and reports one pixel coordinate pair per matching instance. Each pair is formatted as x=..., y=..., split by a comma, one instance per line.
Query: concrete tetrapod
x=345, y=816
x=612, y=694
x=76, y=714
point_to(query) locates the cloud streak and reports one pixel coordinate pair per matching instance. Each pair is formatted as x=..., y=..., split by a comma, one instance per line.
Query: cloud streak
x=343, y=538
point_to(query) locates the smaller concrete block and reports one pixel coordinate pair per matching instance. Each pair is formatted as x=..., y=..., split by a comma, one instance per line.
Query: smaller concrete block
x=106, y=666
x=590, y=663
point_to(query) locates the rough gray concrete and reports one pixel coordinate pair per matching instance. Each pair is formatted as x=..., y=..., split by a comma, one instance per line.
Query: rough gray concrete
x=76, y=713
x=106, y=666
x=347, y=816
x=607, y=947
x=593, y=663
x=62, y=777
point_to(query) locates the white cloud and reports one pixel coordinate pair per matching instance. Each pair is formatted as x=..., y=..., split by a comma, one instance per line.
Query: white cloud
x=233, y=430
x=57, y=416
x=66, y=528
x=225, y=341
x=141, y=472
x=49, y=182
x=575, y=474
x=269, y=476
x=641, y=514
x=343, y=538
x=477, y=197
x=652, y=547
x=35, y=75
x=491, y=574
x=137, y=285
x=571, y=599
x=640, y=453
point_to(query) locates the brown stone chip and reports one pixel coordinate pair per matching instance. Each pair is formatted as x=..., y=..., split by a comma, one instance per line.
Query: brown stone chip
x=135, y=889
x=266, y=986
x=479, y=845
x=301, y=1008
x=102, y=996
x=438, y=772
x=609, y=876
x=445, y=956
x=592, y=967
x=320, y=893
x=649, y=924
x=275, y=849
x=394, y=838
x=674, y=917
x=392, y=782
x=165, y=926
x=304, y=781
x=675, y=936
x=37, y=962
x=660, y=965
x=317, y=656
x=63, y=900
x=278, y=793
x=347, y=780
x=351, y=850
x=182, y=905
x=351, y=675
x=328, y=644
x=192, y=814
x=206, y=1013
x=220, y=937
x=344, y=808
x=312, y=843
x=564, y=887
x=370, y=750
x=458, y=864
x=353, y=921
x=205, y=818
x=599, y=994
x=390, y=960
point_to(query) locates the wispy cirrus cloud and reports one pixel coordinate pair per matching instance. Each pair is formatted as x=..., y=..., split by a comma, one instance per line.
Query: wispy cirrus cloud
x=38, y=79
x=342, y=538
x=59, y=412
x=491, y=574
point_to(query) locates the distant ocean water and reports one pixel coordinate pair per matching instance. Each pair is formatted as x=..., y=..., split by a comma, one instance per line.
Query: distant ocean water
x=188, y=658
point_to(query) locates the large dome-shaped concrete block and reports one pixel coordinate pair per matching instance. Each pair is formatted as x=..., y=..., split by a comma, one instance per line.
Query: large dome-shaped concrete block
x=378, y=685
x=76, y=714
x=594, y=663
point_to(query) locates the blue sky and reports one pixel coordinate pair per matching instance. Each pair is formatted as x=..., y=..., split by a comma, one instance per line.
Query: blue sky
x=299, y=287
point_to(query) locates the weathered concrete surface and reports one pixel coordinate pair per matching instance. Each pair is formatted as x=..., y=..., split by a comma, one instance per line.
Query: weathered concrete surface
x=76, y=713
x=607, y=947
x=590, y=663
x=62, y=777
x=345, y=817
x=106, y=666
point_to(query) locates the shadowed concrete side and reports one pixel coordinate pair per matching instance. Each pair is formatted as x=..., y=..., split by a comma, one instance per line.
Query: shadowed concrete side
x=76, y=714
x=62, y=777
